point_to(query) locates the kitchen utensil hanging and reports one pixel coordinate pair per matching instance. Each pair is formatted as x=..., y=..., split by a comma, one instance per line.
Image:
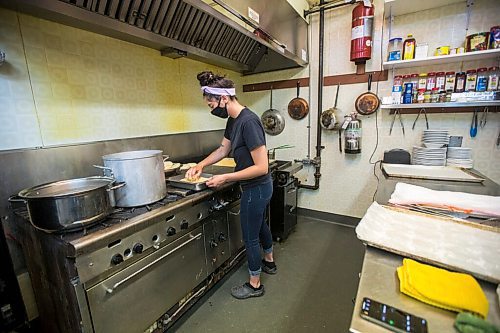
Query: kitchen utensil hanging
x=473, y=125
x=329, y=117
x=367, y=103
x=298, y=107
x=272, y=120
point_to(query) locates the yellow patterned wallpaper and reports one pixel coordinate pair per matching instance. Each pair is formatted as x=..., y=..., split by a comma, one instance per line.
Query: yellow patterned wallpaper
x=64, y=85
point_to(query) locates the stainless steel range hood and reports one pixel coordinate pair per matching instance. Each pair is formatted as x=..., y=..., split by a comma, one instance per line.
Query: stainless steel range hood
x=178, y=28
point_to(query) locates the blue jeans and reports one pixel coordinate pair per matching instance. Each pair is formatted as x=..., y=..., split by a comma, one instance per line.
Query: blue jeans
x=254, y=202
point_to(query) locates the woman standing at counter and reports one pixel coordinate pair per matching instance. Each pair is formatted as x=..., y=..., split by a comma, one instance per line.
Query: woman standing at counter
x=244, y=137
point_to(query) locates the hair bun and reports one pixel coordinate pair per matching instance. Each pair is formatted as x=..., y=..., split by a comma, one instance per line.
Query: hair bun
x=206, y=78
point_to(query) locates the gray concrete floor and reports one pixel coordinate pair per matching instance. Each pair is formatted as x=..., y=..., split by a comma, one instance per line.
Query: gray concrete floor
x=317, y=279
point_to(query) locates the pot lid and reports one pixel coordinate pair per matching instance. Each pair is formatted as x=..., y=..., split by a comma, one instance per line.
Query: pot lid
x=63, y=188
x=273, y=122
x=132, y=155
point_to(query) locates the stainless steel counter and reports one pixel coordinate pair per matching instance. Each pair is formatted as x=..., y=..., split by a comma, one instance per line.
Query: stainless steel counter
x=379, y=280
x=387, y=184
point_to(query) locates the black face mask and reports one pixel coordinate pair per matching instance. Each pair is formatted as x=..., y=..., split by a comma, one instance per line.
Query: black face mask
x=220, y=112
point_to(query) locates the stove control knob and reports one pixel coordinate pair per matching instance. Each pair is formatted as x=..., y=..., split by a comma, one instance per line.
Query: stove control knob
x=171, y=231
x=138, y=248
x=117, y=259
x=222, y=237
x=184, y=224
x=213, y=243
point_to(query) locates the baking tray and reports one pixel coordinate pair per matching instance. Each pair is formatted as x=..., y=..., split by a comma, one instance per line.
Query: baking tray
x=176, y=181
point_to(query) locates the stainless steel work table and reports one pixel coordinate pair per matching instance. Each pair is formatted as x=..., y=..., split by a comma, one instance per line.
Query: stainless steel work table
x=379, y=281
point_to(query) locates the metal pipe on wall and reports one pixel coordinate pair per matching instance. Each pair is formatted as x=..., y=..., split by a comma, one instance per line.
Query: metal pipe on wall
x=323, y=5
x=317, y=160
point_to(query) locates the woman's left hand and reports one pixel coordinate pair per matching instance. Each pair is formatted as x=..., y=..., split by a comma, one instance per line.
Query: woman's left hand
x=216, y=180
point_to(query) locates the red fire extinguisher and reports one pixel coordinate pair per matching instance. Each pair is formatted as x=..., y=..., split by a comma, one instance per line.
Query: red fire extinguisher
x=362, y=31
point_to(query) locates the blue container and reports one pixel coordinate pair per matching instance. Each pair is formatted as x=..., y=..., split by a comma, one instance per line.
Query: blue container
x=407, y=96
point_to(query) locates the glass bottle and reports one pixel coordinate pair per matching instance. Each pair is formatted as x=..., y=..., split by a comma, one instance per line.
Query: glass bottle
x=420, y=95
x=427, y=96
x=434, y=95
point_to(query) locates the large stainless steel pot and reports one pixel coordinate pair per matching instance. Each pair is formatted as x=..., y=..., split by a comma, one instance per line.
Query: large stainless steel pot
x=69, y=204
x=143, y=173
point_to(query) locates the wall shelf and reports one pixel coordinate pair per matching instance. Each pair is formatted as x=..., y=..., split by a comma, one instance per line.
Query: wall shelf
x=402, y=7
x=450, y=107
x=469, y=56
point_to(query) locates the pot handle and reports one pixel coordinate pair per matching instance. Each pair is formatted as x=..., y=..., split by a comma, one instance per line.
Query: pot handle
x=117, y=186
x=16, y=198
x=104, y=169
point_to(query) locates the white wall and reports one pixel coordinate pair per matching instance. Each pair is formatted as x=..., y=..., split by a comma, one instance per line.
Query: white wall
x=62, y=85
x=347, y=183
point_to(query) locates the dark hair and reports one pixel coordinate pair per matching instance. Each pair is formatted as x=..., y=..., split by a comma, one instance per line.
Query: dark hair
x=207, y=78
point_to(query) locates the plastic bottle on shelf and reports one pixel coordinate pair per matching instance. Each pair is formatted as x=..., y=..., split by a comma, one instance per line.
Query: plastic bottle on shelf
x=440, y=80
x=493, y=78
x=422, y=81
x=394, y=49
x=409, y=46
x=407, y=96
x=414, y=82
x=470, y=81
x=482, y=79
x=397, y=89
x=449, y=81
x=460, y=82
x=431, y=81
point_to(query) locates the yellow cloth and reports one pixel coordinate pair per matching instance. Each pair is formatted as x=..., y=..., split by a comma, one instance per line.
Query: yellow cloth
x=439, y=287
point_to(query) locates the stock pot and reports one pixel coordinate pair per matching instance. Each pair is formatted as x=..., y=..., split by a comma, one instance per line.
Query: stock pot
x=68, y=204
x=143, y=173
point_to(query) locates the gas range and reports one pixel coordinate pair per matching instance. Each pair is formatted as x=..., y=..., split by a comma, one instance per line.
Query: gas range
x=137, y=259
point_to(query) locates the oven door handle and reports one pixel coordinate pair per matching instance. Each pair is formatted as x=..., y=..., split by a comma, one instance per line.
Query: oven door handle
x=119, y=283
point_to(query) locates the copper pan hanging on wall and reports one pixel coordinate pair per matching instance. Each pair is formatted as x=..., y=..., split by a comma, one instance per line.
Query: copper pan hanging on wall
x=298, y=107
x=368, y=102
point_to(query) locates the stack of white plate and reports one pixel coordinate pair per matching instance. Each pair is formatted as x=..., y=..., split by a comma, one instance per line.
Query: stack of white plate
x=435, y=138
x=429, y=156
x=459, y=157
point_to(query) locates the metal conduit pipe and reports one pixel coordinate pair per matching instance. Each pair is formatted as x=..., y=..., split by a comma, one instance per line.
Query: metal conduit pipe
x=319, y=147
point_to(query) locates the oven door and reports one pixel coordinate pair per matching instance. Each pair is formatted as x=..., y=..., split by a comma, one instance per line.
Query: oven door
x=132, y=299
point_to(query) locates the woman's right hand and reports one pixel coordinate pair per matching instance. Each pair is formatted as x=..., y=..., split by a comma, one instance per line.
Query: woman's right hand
x=194, y=172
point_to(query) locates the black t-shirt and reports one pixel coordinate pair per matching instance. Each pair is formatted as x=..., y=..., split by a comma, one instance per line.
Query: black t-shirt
x=246, y=133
